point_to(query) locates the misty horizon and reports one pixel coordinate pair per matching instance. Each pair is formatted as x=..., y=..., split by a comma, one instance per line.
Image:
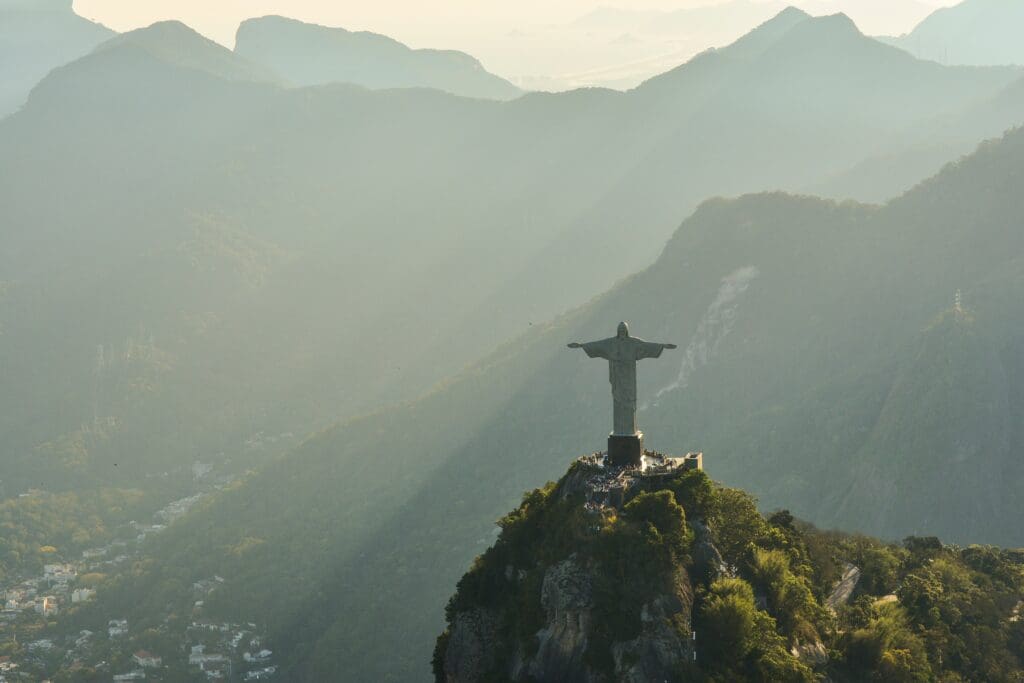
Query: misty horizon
x=530, y=45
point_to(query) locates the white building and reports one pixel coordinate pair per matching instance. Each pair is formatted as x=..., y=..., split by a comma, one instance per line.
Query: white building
x=47, y=606
x=147, y=660
x=117, y=628
x=258, y=657
x=59, y=573
x=44, y=645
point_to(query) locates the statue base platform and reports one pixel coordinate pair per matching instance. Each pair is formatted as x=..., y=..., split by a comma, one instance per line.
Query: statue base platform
x=625, y=450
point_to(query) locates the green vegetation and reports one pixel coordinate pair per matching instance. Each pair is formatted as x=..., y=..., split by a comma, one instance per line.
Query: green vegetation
x=640, y=553
x=921, y=611
x=41, y=528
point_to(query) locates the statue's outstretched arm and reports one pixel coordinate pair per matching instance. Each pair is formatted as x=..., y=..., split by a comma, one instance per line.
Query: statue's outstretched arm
x=575, y=345
x=670, y=346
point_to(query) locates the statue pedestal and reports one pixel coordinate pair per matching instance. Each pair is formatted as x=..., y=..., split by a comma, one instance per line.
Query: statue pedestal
x=625, y=450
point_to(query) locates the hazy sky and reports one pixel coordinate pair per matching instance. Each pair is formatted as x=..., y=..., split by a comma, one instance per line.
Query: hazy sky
x=529, y=41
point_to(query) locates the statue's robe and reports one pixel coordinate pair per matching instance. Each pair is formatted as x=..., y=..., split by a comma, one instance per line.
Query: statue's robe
x=622, y=353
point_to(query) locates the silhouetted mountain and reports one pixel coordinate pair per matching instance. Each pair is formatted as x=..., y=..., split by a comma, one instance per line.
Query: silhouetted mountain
x=979, y=32
x=176, y=44
x=35, y=37
x=307, y=54
x=855, y=78
x=810, y=369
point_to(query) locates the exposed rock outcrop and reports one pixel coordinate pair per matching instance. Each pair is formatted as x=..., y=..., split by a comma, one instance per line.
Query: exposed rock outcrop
x=580, y=635
x=844, y=588
x=470, y=646
x=567, y=599
x=658, y=651
x=706, y=558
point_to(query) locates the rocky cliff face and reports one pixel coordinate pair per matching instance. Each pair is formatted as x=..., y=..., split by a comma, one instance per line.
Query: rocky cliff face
x=580, y=631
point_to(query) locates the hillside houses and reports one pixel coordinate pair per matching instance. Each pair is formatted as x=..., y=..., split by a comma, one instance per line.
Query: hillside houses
x=32, y=608
x=117, y=628
x=214, y=665
x=59, y=573
x=47, y=606
x=147, y=660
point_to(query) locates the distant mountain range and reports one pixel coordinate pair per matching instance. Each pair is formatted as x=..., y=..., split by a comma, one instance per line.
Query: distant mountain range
x=621, y=46
x=979, y=32
x=716, y=19
x=36, y=36
x=307, y=54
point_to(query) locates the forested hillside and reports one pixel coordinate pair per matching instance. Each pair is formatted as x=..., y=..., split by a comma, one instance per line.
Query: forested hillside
x=867, y=401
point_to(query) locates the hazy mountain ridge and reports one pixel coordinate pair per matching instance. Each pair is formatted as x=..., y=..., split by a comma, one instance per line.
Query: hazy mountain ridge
x=308, y=54
x=979, y=32
x=161, y=127
x=175, y=43
x=35, y=37
x=795, y=398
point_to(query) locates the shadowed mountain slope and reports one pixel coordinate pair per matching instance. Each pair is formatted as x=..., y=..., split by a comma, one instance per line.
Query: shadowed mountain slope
x=307, y=54
x=35, y=37
x=853, y=400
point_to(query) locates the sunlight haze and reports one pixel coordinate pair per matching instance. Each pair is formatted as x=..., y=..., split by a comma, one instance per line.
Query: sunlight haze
x=535, y=44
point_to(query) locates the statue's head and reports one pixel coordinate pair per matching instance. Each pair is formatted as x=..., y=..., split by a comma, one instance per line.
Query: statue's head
x=623, y=331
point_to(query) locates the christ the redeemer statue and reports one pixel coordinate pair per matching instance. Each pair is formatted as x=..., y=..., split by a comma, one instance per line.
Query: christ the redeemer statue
x=625, y=444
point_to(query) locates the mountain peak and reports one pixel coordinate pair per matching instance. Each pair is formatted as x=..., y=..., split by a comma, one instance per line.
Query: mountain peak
x=176, y=43
x=161, y=32
x=836, y=22
x=789, y=14
x=280, y=22
x=825, y=35
x=773, y=29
